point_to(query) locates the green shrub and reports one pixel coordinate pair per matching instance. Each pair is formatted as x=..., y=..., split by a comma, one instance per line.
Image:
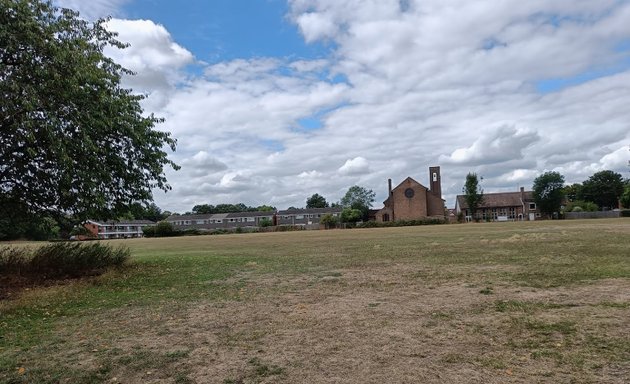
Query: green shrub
x=61, y=260
x=403, y=223
x=265, y=222
x=625, y=213
x=148, y=231
x=164, y=229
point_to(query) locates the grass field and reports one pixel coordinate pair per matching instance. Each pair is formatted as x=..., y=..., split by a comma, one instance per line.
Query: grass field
x=475, y=303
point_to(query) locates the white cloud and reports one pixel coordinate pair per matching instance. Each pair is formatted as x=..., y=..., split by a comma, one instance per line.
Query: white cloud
x=93, y=9
x=500, y=145
x=153, y=55
x=432, y=82
x=356, y=166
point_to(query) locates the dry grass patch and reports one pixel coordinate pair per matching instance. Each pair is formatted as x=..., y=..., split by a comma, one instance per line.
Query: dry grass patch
x=360, y=306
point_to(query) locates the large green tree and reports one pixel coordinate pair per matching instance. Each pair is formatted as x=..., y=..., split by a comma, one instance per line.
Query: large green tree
x=359, y=198
x=548, y=192
x=473, y=194
x=625, y=197
x=316, y=201
x=604, y=188
x=72, y=139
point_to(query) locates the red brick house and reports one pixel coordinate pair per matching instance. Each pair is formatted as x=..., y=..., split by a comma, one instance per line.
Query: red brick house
x=411, y=200
x=502, y=206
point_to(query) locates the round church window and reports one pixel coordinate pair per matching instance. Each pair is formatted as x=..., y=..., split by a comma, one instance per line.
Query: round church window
x=409, y=193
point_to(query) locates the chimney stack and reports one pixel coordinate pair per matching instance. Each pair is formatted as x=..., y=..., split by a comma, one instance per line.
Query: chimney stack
x=389, y=182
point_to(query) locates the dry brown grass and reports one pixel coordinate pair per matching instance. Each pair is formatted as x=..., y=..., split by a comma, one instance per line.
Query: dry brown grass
x=478, y=303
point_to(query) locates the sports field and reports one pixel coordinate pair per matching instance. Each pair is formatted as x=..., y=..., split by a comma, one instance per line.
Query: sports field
x=469, y=303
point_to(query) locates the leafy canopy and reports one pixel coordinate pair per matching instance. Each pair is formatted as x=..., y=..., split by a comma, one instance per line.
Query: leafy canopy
x=604, y=188
x=316, y=201
x=358, y=198
x=473, y=194
x=72, y=140
x=549, y=191
x=625, y=198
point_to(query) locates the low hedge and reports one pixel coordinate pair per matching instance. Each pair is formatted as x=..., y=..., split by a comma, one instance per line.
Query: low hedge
x=402, y=223
x=60, y=260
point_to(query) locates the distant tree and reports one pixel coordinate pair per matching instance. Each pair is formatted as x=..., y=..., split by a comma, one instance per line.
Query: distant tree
x=581, y=206
x=72, y=139
x=264, y=208
x=548, y=192
x=572, y=191
x=358, y=198
x=328, y=220
x=316, y=201
x=265, y=222
x=473, y=194
x=604, y=188
x=351, y=215
x=202, y=209
x=164, y=229
x=625, y=198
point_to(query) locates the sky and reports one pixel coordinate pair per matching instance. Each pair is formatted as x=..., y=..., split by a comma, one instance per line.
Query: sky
x=273, y=100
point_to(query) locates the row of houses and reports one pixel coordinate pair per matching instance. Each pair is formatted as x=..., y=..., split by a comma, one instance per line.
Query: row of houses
x=125, y=229
x=309, y=217
x=409, y=200
x=302, y=217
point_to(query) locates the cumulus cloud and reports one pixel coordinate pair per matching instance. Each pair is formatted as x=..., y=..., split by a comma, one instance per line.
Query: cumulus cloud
x=470, y=86
x=154, y=57
x=500, y=145
x=93, y=9
x=356, y=166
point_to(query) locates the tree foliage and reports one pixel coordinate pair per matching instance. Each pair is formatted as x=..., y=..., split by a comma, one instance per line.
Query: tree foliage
x=548, y=192
x=572, y=192
x=328, y=220
x=72, y=140
x=316, y=201
x=625, y=198
x=351, y=215
x=473, y=194
x=604, y=188
x=358, y=198
x=230, y=208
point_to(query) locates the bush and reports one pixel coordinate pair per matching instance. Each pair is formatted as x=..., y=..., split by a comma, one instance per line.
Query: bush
x=625, y=213
x=61, y=260
x=164, y=229
x=403, y=223
x=148, y=231
x=265, y=222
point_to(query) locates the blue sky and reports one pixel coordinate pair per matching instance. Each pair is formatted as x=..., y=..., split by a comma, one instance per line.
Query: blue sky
x=220, y=30
x=273, y=100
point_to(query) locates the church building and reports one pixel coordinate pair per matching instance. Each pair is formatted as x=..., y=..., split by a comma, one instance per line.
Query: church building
x=411, y=200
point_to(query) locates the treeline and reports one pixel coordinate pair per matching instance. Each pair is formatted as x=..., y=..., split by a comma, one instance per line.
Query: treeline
x=229, y=208
x=15, y=224
x=604, y=190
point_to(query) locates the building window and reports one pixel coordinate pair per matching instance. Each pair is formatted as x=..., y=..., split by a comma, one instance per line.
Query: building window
x=219, y=221
x=532, y=206
x=299, y=217
x=199, y=221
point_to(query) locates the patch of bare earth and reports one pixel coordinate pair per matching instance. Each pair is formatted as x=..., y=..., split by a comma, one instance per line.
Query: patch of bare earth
x=388, y=324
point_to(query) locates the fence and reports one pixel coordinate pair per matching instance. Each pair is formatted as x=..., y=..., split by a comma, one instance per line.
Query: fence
x=592, y=215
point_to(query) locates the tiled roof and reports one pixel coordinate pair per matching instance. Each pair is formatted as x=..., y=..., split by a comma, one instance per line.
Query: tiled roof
x=501, y=199
x=251, y=214
x=299, y=211
x=216, y=216
x=122, y=222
